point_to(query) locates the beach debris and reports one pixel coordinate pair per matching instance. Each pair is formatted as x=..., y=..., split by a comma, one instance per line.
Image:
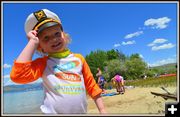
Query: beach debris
x=129, y=87
x=165, y=90
x=166, y=95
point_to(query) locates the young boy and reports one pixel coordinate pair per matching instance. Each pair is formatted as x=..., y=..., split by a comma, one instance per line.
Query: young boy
x=66, y=76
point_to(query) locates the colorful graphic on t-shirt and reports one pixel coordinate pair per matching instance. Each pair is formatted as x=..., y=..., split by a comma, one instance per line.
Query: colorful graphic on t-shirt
x=68, y=76
x=72, y=89
x=67, y=66
x=61, y=71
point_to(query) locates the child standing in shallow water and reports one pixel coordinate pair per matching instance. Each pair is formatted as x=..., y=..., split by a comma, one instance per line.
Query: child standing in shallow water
x=66, y=76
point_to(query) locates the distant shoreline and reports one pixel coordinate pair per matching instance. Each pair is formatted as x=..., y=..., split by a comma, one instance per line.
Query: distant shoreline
x=22, y=88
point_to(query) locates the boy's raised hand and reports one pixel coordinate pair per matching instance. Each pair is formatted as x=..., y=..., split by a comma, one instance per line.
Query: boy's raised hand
x=32, y=35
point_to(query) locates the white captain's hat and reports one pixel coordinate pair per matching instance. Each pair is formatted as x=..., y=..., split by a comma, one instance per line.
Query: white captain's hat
x=40, y=20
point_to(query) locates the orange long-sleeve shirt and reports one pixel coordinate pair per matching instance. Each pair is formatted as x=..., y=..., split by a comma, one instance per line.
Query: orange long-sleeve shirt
x=65, y=81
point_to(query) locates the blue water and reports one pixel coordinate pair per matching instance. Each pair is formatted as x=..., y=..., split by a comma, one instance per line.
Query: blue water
x=22, y=102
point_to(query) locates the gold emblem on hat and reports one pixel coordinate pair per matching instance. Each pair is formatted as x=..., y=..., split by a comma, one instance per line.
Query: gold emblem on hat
x=40, y=15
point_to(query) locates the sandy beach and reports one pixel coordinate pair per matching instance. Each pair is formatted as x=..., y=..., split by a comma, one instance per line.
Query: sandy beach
x=134, y=101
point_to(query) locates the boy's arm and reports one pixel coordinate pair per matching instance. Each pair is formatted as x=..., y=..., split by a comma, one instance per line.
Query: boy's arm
x=28, y=51
x=91, y=86
x=99, y=104
x=24, y=69
x=27, y=72
x=90, y=83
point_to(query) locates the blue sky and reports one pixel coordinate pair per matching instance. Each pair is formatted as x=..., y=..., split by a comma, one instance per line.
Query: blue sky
x=149, y=29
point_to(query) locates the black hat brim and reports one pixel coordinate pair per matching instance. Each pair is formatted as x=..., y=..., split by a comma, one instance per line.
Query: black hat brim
x=47, y=25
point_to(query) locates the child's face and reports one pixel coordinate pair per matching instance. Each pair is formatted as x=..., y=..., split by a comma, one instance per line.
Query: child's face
x=52, y=39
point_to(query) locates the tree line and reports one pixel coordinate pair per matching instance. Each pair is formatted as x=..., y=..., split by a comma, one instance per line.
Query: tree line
x=114, y=61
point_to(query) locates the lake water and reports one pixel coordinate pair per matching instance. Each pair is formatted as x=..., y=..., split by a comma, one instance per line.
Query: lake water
x=22, y=102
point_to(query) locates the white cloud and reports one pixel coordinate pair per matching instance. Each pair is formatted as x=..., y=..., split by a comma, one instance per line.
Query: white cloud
x=164, y=46
x=163, y=62
x=161, y=40
x=6, y=65
x=157, y=41
x=6, y=76
x=128, y=42
x=159, y=23
x=156, y=47
x=141, y=55
x=133, y=34
x=117, y=45
x=151, y=44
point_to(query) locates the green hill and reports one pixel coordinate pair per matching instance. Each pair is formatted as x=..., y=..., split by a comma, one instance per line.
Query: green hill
x=167, y=68
x=167, y=65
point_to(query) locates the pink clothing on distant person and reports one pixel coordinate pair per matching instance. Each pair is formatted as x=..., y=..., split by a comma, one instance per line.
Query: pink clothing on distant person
x=118, y=78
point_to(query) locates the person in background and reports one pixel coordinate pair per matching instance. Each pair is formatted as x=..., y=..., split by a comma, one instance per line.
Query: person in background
x=118, y=80
x=101, y=80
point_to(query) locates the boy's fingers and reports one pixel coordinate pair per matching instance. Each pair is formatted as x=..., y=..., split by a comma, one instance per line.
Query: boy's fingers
x=34, y=32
